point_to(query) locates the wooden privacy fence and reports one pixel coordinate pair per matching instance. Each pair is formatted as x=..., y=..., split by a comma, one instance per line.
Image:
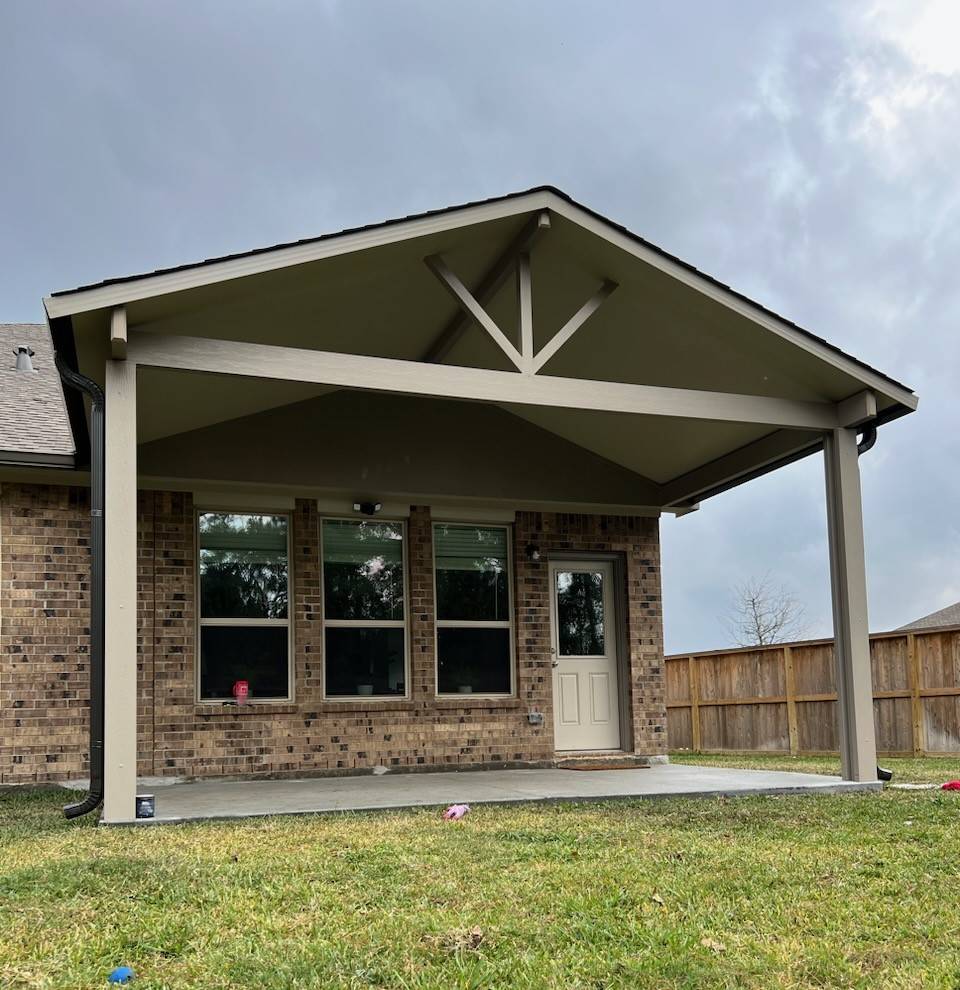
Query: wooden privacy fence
x=783, y=698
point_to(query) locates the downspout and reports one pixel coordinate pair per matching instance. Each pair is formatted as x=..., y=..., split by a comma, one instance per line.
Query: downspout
x=83, y=384
x=867, y=440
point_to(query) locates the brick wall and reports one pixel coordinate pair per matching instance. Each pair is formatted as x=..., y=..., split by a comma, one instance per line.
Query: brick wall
x=44, y=559
x=44, y=632
x=638, y=541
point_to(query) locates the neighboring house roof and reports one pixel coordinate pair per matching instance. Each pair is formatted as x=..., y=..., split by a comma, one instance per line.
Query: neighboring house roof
x=34, y=425
x=466, y=206
x=949, y=616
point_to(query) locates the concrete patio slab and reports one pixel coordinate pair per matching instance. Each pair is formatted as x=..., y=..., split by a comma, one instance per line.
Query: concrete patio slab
x=182, y=802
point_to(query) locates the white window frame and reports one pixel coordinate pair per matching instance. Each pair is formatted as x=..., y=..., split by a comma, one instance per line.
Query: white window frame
x=202, y=622
x=325, y=623
x=507, y=623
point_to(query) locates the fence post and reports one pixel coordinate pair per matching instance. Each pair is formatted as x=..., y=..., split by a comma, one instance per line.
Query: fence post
x=791, y=687
x=693, y=677
x=913, y=668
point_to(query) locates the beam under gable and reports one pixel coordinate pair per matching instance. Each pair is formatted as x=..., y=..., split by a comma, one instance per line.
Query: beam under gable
x=475, y=384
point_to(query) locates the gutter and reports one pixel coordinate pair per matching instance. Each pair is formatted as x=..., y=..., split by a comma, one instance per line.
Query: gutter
x=81, y=383
x=16, y=458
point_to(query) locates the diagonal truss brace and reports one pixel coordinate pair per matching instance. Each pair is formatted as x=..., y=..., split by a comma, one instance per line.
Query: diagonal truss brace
x=573, y=324
x=462, y=294
x=472, y=305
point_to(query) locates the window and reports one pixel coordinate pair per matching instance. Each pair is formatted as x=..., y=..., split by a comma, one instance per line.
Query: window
x=580, y=613
x=474, y=639
x=363, y=609
x=244, y=604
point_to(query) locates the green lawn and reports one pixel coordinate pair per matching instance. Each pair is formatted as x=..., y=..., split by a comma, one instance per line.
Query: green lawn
x=915, y=771
x=853, y=890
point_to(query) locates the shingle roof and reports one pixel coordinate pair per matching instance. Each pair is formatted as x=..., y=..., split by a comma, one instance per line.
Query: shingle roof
x=34, y=426
x=949, y=616
x=496, y=199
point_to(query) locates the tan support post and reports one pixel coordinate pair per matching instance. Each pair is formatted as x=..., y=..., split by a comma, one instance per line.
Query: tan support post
x=858, y=750
x=120, y=571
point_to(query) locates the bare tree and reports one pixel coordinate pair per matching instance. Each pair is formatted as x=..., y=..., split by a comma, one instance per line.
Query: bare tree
x=762, y=612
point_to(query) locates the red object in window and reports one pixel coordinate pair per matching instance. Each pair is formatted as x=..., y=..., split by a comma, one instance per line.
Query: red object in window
x=240, y=691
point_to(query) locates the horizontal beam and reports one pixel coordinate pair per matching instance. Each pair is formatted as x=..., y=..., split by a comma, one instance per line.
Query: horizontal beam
x=857, y=410
x=377, y=374
x=118, y=333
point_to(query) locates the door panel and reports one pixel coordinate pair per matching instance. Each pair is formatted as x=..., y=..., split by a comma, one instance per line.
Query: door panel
x=569, y=700
x=600, y=697
x=585, y=688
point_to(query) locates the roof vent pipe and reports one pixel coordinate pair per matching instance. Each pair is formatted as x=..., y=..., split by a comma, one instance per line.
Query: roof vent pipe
x=23, y=359
x=83, y=384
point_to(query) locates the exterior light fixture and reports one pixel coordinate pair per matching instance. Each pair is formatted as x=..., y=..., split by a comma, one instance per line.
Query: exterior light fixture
x=533, y=552
x=367, y=508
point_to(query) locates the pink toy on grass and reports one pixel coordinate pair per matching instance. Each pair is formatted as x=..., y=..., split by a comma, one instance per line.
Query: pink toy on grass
x=455, y=812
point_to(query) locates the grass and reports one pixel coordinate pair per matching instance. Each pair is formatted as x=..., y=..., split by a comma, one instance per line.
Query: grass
x=905, y=769
x=830, y=891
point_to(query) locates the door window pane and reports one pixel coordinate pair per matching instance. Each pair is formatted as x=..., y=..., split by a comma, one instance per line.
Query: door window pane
x=580, y=613
x=255, y=654
x=243, y=566
x=364, y=662
x=472, y=579
x=362, y=570
x=473, y=660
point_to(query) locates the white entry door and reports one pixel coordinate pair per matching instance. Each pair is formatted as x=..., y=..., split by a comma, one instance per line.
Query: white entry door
x=586, y=695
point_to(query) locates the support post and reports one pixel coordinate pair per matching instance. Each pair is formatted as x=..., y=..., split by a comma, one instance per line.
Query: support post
x=858, y=751
x=694, y=677
x=790, y=683
x=120, y=570
x=916, y=699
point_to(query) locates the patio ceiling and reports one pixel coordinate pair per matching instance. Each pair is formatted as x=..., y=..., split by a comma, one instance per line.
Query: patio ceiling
x=369, y=292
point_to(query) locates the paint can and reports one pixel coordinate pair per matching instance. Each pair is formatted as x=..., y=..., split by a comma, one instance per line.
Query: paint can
x=146, y=807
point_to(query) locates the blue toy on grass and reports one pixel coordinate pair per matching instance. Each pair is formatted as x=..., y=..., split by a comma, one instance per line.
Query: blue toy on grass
x=122, y=974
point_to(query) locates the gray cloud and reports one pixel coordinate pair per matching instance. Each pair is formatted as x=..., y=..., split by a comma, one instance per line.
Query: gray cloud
x=806, y=153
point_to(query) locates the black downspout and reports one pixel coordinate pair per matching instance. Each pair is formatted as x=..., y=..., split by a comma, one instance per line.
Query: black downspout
x=867, y=441
x=83, y=384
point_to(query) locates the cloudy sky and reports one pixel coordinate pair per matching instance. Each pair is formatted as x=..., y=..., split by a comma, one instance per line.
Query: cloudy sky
x=807, y=153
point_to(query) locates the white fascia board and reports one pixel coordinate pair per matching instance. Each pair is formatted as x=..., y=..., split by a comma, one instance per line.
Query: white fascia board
x=207, y=273
x=729, y=299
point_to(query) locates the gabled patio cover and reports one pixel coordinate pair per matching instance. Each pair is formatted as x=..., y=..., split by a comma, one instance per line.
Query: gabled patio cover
x=662, y=385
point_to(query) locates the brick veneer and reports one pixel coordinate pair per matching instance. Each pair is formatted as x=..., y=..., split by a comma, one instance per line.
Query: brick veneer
x=44, y=631
x=44, y=562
